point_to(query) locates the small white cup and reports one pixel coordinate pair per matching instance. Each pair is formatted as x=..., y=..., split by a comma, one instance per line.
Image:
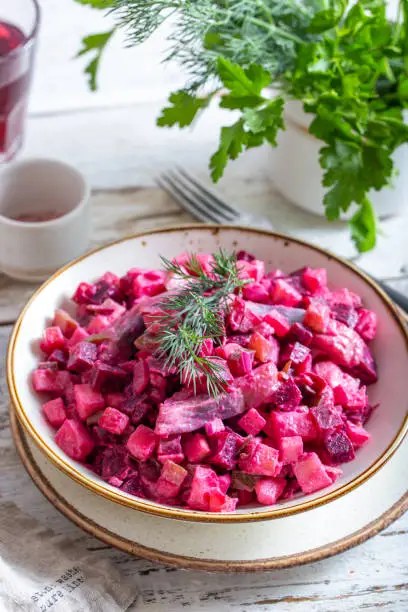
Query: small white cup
x=45, y=189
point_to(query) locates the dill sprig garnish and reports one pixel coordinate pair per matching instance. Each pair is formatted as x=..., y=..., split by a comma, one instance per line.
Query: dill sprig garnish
x=194, y=314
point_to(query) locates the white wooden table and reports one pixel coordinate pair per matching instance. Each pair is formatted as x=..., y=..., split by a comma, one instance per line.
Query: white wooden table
x=111, y=137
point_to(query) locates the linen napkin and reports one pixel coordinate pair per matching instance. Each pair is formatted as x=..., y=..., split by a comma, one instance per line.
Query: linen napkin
x=41, y=572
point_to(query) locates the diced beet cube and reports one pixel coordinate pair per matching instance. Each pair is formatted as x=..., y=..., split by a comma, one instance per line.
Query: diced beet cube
x=330, y=372
x=66, y=382
x=239, y=360
x=251, y=269
x=258, y=387
x=283, y=424
x=299, y=333
x=366, y=369
x=65, y=322
x=46, y=381
x=345, y=297
x=114, y=462
x=279, y=323
x=149, y=283
x=98, y=324
x=228, y=446
x=52, y=340
x=345, y=387
x=240, y=318
x=87, y=400
x=346, y=348
x=326, y=417
x=180, y=416
x=357, y=434
x=141, y=443
x=196, y=448
x=317, y=317
x=257, y=458
x=59, y=357
x=252, y=422
x=220, y=502
x=224, y=482
x=265, y=330
x=170, y=448
x=255, y=292
x=126, y=282
x=265, y=350
x=214, y=426
x=149, y=472
x=170, y=480
x=339, y=447
x=79, y=334
x=367, y=324
x=54, y=412
x=136, y=408
x=314, y=279
x=296, y=353
x=269, y=490
x=345, y=314
x=284, y=293
x=74, y=439
x=311, y=473
x=133, y=486
x=82, y=356
x=83, y=293
x=290, y=449
x=204, y=482
x=359, y=401
x=113, y=421
x=286, y=395
x=103, y=374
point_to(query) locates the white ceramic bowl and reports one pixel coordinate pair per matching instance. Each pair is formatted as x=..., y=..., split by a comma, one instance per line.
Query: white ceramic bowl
x=387, y=426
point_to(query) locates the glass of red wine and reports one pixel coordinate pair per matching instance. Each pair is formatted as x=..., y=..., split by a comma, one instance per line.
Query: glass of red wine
x=19, y=21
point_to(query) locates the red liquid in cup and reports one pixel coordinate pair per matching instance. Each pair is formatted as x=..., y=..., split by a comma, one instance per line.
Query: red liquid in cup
x=15, y=69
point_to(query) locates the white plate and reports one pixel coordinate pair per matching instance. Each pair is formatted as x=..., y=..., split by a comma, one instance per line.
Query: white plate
x=387, y=425
x=280, y=542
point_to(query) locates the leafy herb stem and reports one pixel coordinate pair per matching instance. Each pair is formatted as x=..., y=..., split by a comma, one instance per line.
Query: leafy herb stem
x=195, y=313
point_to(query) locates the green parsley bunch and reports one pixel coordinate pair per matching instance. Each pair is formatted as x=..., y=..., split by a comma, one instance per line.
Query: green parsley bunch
x=345, y=62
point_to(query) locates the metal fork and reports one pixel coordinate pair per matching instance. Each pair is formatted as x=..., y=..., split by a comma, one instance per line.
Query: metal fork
x=204, y=204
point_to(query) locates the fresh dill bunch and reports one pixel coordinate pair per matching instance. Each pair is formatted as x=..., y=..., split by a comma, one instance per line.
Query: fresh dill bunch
x=242, y=31
x=196, y=313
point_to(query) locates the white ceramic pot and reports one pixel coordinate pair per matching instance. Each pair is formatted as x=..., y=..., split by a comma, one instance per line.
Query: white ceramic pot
x=298, y=176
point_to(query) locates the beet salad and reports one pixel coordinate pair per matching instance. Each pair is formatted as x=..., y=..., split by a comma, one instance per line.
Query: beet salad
x=210, y=383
